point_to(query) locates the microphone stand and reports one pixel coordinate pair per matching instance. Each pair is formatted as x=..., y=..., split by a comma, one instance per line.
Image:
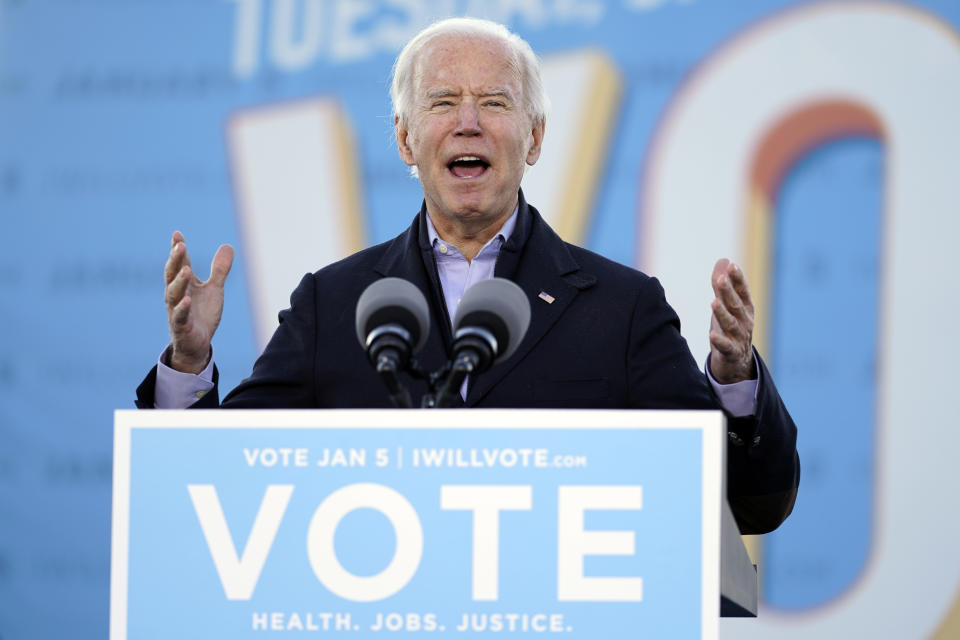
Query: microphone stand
x=474, y=350
x=449, y=393
x=440, y=394
x=429, y=399
x=398, y=394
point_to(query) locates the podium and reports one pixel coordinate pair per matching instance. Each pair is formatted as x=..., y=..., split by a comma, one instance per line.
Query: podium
x=582, y=524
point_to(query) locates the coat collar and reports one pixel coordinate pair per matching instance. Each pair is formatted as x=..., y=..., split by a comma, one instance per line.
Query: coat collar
x=539, y=262
x=534, y=257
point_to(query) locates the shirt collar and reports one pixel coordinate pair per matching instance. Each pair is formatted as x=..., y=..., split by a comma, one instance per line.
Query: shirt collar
x=501, y=236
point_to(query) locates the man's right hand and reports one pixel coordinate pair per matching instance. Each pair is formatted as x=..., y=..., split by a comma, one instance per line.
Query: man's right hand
x=193, y=307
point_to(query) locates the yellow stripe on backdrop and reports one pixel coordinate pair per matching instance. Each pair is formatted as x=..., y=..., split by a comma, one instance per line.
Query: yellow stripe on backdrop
x=584, y=87
x=298, y=197
x=950, y=628
x=757, y=266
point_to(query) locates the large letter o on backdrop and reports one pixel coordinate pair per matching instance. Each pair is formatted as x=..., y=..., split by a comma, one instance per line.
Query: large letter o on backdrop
x=902, y=67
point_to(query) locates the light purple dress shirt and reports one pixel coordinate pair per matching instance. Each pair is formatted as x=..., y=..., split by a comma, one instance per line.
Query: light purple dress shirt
x=457, y=274
x=175, y=390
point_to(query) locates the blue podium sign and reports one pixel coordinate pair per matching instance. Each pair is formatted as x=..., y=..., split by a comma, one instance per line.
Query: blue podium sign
x=358, y=524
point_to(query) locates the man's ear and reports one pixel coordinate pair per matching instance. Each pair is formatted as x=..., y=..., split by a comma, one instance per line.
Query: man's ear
x=533, y=153
x=403, y=146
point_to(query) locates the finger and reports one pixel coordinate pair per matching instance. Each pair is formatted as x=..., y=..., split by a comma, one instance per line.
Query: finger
x=739, y=281
x=180, y=314
x=178, y=258
x=725, y=320
x=220, y=266
x=723, y=344
x=177, y=240
x=719, y=269
x=177, y=287
x=174, y=262
x=730, y=299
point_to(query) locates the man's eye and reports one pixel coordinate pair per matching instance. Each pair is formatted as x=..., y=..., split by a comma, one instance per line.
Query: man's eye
x=442, y=103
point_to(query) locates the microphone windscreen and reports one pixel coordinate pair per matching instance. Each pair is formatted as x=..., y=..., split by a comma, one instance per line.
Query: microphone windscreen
x=504, y=300
x=393, y=300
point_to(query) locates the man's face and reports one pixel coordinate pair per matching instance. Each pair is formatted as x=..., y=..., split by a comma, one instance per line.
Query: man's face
x=468, y=134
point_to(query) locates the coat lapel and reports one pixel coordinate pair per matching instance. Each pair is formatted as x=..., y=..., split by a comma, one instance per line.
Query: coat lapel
x=538, y=261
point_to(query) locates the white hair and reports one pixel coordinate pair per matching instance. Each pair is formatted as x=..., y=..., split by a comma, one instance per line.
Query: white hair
x=405, y=71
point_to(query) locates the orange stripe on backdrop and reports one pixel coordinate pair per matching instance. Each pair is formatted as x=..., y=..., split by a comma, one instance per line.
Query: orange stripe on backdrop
x=786, y=143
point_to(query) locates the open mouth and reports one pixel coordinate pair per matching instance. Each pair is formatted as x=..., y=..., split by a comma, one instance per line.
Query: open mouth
x=468, y=167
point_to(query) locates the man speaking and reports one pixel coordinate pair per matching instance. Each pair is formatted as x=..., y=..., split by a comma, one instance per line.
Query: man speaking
x=469, y=115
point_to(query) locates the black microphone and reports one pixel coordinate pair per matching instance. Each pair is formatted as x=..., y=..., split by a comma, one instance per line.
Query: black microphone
x=393, y=322
x=490, y=322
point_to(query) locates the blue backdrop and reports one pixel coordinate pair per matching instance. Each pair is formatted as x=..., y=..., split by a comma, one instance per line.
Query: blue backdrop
x=114, y=131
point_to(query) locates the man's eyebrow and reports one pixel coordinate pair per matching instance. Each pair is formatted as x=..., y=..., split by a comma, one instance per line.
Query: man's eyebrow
x=486, y=93
x=441, y=93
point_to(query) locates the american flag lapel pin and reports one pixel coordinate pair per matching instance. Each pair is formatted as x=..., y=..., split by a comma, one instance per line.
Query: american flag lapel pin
x=546, y=297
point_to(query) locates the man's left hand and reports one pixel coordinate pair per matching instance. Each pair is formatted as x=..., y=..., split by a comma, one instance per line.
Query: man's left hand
x=731, y=325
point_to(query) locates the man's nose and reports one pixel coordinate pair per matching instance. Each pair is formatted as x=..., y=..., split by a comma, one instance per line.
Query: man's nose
x=468, y=119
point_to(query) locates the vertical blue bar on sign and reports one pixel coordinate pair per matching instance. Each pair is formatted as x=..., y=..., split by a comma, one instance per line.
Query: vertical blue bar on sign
x=823, y=354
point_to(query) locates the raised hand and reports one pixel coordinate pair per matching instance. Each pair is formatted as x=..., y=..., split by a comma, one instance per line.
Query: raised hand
x=193, y=307
x=731, y=325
